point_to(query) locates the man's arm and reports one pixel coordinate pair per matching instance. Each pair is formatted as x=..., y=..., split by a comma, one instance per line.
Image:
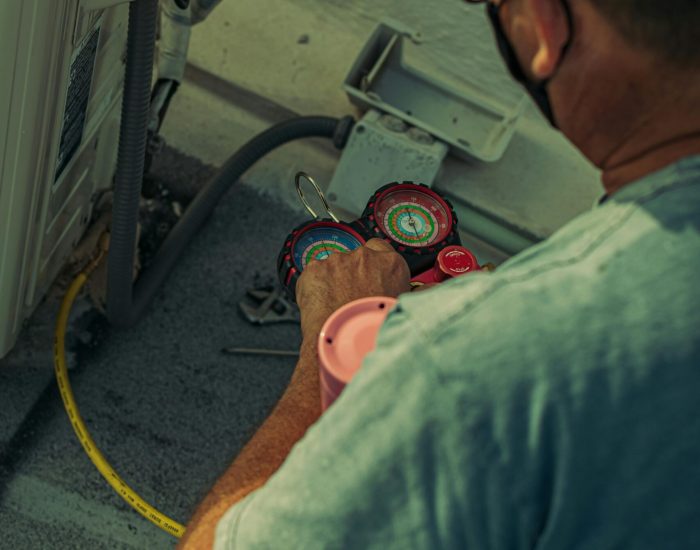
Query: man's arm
x=298, y=409
x=373, y=270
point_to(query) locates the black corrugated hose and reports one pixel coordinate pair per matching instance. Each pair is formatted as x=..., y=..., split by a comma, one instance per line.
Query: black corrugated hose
x=127, y=301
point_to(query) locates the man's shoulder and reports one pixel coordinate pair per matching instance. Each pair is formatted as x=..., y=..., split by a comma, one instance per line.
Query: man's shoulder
x=615, y=285
x=588, y=342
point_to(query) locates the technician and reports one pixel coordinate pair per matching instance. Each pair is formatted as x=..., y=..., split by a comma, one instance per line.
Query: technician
x=553, y=404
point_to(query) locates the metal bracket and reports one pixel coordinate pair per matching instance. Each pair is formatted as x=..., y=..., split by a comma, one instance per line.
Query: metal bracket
x=384, y=78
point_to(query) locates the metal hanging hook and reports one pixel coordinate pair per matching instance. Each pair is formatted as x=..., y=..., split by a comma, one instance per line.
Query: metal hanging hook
x=297, y=184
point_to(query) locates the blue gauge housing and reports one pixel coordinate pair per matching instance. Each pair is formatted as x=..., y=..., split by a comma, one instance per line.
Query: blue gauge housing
x=319, y=243
x=314, y=240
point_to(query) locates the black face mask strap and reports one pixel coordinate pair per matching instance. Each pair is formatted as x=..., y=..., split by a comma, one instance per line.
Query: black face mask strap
x=537, y=90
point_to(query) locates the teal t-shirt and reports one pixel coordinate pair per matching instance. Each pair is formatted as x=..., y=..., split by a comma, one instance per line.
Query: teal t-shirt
x=553, y=404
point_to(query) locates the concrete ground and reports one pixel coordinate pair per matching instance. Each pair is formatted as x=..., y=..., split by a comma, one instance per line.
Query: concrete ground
x=167, y=408
x=163, y=402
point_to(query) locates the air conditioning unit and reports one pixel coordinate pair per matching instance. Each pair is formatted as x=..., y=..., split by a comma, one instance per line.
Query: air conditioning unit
x=61, y=77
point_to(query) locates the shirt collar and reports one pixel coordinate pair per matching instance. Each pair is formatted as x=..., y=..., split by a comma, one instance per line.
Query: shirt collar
x=669, y=176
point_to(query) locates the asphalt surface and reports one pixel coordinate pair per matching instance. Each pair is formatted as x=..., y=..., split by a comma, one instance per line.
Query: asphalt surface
x=165, y=405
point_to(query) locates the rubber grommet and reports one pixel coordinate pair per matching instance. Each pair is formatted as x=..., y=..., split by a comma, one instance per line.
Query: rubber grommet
x=342, y=131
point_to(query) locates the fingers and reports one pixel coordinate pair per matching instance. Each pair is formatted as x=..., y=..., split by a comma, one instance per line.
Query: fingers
x=422, y=288
x=379, y=245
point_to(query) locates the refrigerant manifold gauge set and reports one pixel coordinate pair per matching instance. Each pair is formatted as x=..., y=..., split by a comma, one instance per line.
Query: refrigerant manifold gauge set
x=418, y=222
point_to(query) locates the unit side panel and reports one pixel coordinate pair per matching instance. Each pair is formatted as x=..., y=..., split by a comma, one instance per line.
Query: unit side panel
x=91, y=167
x=58, y=143
x=32, y=56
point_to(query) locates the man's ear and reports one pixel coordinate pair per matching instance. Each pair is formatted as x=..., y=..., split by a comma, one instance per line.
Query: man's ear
x=551, y=25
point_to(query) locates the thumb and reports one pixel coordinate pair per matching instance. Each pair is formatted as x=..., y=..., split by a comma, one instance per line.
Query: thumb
x=379, y=245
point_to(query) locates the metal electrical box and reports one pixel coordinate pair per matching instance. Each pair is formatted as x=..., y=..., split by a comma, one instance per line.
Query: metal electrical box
x=61, y=77
x=466, y=119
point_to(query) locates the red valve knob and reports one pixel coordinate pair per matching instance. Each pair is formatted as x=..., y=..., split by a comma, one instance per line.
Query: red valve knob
x=454, y=261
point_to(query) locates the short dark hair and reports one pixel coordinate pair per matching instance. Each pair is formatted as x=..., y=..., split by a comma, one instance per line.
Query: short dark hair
x=668, y=27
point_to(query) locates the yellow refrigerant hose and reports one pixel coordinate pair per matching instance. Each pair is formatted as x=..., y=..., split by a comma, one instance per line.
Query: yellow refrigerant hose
x=127, y=493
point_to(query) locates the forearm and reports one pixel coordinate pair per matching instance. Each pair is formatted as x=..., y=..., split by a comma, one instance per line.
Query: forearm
x=372, y=270
x=296, y=411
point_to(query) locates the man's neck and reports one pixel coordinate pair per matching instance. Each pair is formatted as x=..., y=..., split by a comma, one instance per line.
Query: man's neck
x=656, y=127
x=630, y=113
x=618, y=175
x=646, y=133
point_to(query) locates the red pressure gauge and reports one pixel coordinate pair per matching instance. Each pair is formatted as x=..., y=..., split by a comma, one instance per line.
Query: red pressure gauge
x=416, y=220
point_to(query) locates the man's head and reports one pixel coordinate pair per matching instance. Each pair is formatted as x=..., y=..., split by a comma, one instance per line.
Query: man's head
x=620, y=76
x=668, y=29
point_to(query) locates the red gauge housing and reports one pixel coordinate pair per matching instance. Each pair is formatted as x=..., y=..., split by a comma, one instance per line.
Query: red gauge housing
x=417, y=221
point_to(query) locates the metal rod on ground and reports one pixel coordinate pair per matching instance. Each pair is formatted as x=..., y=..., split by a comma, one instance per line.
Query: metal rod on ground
x=260, y=351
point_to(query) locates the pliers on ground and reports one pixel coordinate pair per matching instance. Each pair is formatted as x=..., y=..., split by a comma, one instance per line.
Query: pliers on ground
x=269, y=305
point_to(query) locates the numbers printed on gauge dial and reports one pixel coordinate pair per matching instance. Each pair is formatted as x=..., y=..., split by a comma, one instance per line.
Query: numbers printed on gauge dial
x=413, y=217
x=319, y=243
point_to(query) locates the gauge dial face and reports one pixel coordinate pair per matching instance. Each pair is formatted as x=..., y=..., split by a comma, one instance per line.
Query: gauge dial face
x=318, y=243
x=413, y=217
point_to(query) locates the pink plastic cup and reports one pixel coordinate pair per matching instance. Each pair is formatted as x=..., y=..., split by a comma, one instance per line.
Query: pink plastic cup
x=346, y=338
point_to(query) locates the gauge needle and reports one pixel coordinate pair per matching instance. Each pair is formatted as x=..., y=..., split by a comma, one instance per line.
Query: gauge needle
x=412, y=222
x=328, y=252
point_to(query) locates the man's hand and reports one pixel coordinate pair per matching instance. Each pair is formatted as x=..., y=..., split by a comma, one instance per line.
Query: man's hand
x=375, y=269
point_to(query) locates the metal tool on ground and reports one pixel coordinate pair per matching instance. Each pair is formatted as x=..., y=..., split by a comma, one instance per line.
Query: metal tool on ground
x=268, y=305
x=418, y=222
x=261, y=351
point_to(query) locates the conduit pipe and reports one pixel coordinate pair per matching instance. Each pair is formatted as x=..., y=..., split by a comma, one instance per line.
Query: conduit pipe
x=127, y=301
